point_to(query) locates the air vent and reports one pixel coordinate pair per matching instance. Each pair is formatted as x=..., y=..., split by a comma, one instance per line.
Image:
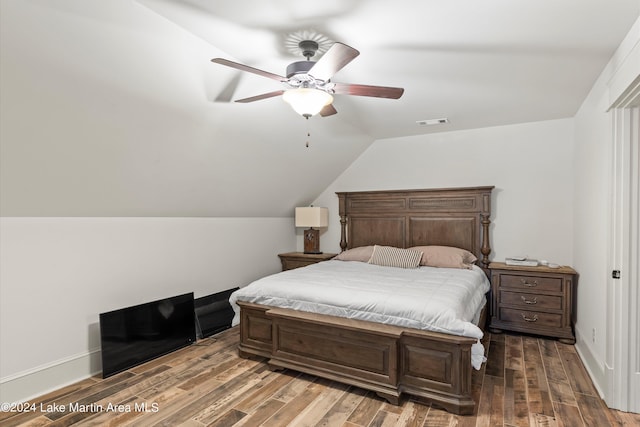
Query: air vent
x=431, y=122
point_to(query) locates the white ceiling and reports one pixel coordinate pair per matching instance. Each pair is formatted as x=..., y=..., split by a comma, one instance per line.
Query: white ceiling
x=110, y=108
x=479, y=63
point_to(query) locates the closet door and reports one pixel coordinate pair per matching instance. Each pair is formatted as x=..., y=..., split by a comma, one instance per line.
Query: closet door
x=623, y=388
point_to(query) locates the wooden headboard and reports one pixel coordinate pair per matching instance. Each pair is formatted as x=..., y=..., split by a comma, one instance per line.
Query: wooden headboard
x=457, y=217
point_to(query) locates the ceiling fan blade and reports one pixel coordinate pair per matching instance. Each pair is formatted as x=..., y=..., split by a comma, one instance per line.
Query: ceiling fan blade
x=328, y=110
x=259, y=97
x=366, y=90
x=333, y=61
x=243, y=67
x=227, y=92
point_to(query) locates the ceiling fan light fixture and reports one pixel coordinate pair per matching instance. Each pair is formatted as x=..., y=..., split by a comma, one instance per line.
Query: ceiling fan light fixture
x=307, y=101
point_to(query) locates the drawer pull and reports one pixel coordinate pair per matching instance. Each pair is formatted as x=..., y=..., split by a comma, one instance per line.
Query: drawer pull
x=527, y=284
x=529, y=301
x=530, y=319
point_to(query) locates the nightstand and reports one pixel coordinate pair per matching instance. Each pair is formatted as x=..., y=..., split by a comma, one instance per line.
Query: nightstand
x=292, y=260
x=537, y=300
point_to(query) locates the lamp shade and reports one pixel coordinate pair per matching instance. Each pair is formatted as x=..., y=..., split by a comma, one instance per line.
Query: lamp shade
x=312, y=217
x=307, y=101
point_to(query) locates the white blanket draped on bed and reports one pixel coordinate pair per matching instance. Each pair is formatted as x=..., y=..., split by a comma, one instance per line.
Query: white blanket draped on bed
x=436, y=299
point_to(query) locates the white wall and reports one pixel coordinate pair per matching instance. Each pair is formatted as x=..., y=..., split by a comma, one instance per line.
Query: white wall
x=58, y=274
x=593, y=161
x=107, y=110
x=529, y=164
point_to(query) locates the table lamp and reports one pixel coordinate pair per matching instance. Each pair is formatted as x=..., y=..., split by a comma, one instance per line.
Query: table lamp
x=312, y=217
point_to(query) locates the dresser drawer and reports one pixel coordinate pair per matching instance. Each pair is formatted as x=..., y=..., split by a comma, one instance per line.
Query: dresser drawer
x=531, y=318
x=534, y=283
x=530, y=301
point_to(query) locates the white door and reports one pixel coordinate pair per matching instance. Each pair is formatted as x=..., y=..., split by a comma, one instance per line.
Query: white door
x=623, y=385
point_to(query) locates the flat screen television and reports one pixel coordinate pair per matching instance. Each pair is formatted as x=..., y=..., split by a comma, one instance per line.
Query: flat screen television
x=213, y=313
x=137, y=334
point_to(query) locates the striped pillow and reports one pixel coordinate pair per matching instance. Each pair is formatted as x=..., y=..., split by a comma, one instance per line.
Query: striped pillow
x=389, y=256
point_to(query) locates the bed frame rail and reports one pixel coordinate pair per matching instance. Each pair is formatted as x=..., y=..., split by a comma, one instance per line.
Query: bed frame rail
x=385, y=359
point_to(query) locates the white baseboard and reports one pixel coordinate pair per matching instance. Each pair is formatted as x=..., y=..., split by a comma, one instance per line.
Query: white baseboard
x=44, y=379
x=594, y=368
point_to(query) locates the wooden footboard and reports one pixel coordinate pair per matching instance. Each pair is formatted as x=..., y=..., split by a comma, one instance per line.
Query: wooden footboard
x=386, y=359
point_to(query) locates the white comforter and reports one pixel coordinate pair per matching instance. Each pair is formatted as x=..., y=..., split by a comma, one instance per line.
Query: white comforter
x=436, y=299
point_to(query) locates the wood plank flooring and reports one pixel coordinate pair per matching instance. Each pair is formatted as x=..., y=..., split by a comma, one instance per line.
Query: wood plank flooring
x=526, y=382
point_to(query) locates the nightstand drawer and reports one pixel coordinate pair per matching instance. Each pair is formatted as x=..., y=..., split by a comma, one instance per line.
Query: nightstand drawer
x=291, y=260
x=296, y=263
x=531, y=318
x=530, y=300
x=537, y=283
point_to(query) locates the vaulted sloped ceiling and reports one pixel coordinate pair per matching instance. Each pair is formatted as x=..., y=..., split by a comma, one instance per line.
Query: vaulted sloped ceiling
x=113, y=108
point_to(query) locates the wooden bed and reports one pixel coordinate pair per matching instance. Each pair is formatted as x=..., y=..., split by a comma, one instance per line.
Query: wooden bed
x=388, y=360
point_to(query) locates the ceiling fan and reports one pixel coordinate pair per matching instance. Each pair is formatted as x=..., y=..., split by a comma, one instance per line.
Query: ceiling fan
x=309, y=87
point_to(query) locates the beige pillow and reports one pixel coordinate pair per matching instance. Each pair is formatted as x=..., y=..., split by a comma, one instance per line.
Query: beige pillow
x=445, y=256
x=389, y=256
x=362, y=254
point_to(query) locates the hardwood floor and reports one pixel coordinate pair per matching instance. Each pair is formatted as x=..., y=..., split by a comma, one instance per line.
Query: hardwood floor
x=525, y=382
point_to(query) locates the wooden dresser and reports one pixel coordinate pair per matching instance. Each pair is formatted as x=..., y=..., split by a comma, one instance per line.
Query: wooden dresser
x=291, y=260
x=537, y=300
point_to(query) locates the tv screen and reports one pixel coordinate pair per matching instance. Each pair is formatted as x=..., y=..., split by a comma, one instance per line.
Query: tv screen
x=137, y=334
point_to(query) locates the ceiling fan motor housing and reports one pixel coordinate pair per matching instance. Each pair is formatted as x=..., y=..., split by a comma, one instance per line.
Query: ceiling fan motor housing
x=299, y=67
